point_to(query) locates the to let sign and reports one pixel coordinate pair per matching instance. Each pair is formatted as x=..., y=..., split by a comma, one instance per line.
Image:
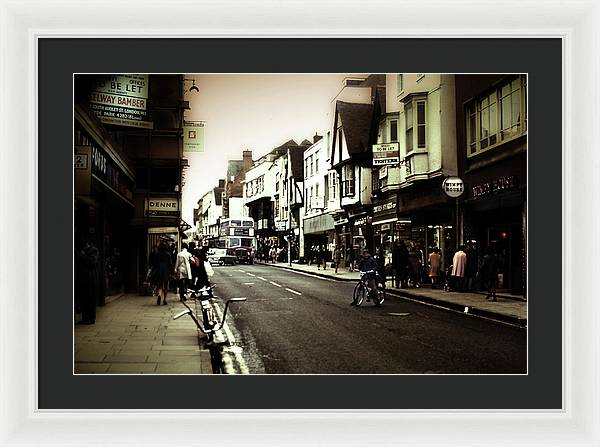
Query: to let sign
x=386, y=154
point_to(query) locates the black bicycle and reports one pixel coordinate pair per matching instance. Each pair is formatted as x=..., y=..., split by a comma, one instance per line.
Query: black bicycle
x=210, y=321
x=363, y=289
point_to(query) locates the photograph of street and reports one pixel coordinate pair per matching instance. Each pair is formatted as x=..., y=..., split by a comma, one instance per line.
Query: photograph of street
x=347, y=223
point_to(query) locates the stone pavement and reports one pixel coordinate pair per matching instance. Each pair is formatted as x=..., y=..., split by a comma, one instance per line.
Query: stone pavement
x=133, y=335
x=509, y=308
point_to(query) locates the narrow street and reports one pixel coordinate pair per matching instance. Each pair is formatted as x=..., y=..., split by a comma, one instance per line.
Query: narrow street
x=300, y=324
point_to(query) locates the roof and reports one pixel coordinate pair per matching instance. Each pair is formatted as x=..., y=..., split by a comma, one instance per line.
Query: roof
x=356, y=123
x=297, y=157
x=218, y=196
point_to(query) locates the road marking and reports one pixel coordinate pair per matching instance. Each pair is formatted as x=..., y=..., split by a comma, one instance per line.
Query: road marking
x=260, y=277
x=243, y=271
x=293, y=291
x=312, y=276
x=251, y=274
x=248, y=283
x=237, y=353
x=275, y=284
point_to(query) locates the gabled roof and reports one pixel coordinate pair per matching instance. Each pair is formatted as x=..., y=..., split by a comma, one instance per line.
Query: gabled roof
x=356, y=124
x=284, y=146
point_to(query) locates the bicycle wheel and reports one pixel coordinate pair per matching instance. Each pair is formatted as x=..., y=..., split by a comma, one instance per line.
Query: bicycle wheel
x=359, y=294
x=379, y=297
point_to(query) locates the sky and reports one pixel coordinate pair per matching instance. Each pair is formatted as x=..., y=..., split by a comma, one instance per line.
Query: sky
x=251, y=112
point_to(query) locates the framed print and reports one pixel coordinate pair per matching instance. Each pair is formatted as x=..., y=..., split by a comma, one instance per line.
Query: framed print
x=545, y=62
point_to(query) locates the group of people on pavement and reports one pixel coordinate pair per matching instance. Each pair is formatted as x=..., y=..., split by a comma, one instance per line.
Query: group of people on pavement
x=191, y=270
x=319, y=255
x=408, y=267
x=465, y=270
x=407, y=264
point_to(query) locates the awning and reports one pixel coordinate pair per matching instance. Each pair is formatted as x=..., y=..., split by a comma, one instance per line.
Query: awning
x=383, y=220
x=319, y=224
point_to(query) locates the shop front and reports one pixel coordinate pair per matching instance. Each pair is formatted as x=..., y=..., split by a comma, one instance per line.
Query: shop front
x=426, y=219
x=495, y=214
x=361, y=230
x=385, y=216
x=103, y=205
x=342, y=235
x=319, y=231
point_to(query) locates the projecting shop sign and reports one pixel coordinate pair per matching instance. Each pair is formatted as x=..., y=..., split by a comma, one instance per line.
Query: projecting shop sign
x=193, y=136
x=453, y=187
x=162, y=207
x=386, y=154
x=121, y=100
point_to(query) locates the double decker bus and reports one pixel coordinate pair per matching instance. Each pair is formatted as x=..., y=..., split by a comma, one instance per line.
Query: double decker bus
x=238, y=237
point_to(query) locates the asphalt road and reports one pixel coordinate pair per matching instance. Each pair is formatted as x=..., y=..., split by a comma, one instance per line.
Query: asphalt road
x=294, y=323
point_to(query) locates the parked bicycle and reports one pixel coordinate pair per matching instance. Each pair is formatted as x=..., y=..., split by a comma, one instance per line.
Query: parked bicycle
x=211, y=323
x=364, y=289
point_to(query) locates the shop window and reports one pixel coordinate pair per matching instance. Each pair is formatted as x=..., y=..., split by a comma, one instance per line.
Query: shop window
x=497, y=116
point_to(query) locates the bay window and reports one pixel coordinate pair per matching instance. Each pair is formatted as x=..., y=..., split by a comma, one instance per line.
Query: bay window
x=497, y=116
x=415, y=120
x=348, y=180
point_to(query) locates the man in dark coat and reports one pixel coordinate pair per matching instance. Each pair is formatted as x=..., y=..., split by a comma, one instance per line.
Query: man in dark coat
x=88, y=278
x=471, y=265
x=488, y=273
x=399, y=264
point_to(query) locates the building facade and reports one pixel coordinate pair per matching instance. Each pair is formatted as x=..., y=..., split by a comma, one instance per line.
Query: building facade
x=409, y=203
x=491, y=115
x=129, y=128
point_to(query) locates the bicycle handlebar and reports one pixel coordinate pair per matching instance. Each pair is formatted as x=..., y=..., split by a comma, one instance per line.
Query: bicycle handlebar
x=208, y=331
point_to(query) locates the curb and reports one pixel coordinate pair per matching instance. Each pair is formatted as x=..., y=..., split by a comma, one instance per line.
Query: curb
x=510, y=319
x=322, y=275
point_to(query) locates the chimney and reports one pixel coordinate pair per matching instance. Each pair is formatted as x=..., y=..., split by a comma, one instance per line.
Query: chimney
x=247, y=157
x=222, y=183
x=317, y=137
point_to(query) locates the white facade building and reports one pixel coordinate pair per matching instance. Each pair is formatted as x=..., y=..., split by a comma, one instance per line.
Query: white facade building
x=212, y=210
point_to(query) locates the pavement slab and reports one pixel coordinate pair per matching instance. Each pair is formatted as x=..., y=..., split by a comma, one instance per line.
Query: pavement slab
x=132, y=335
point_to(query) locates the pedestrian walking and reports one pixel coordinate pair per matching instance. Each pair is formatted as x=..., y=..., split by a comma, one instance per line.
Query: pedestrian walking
x=319, y=256
x=414, y=265
x=435, y=261
x=350, y=258
x=337, y=257
x=183, y=271
x=380, y=259
x=400, y=264
x=470, y=266
x=488, y=273
x=163, y=266
x=458, y=267
x=324, y=255
x=87, y=263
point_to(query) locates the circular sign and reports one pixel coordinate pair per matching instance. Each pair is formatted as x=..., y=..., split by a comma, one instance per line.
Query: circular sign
x=453, y=187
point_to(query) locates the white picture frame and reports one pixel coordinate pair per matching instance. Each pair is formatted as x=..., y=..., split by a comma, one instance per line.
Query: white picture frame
x=576, y=23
